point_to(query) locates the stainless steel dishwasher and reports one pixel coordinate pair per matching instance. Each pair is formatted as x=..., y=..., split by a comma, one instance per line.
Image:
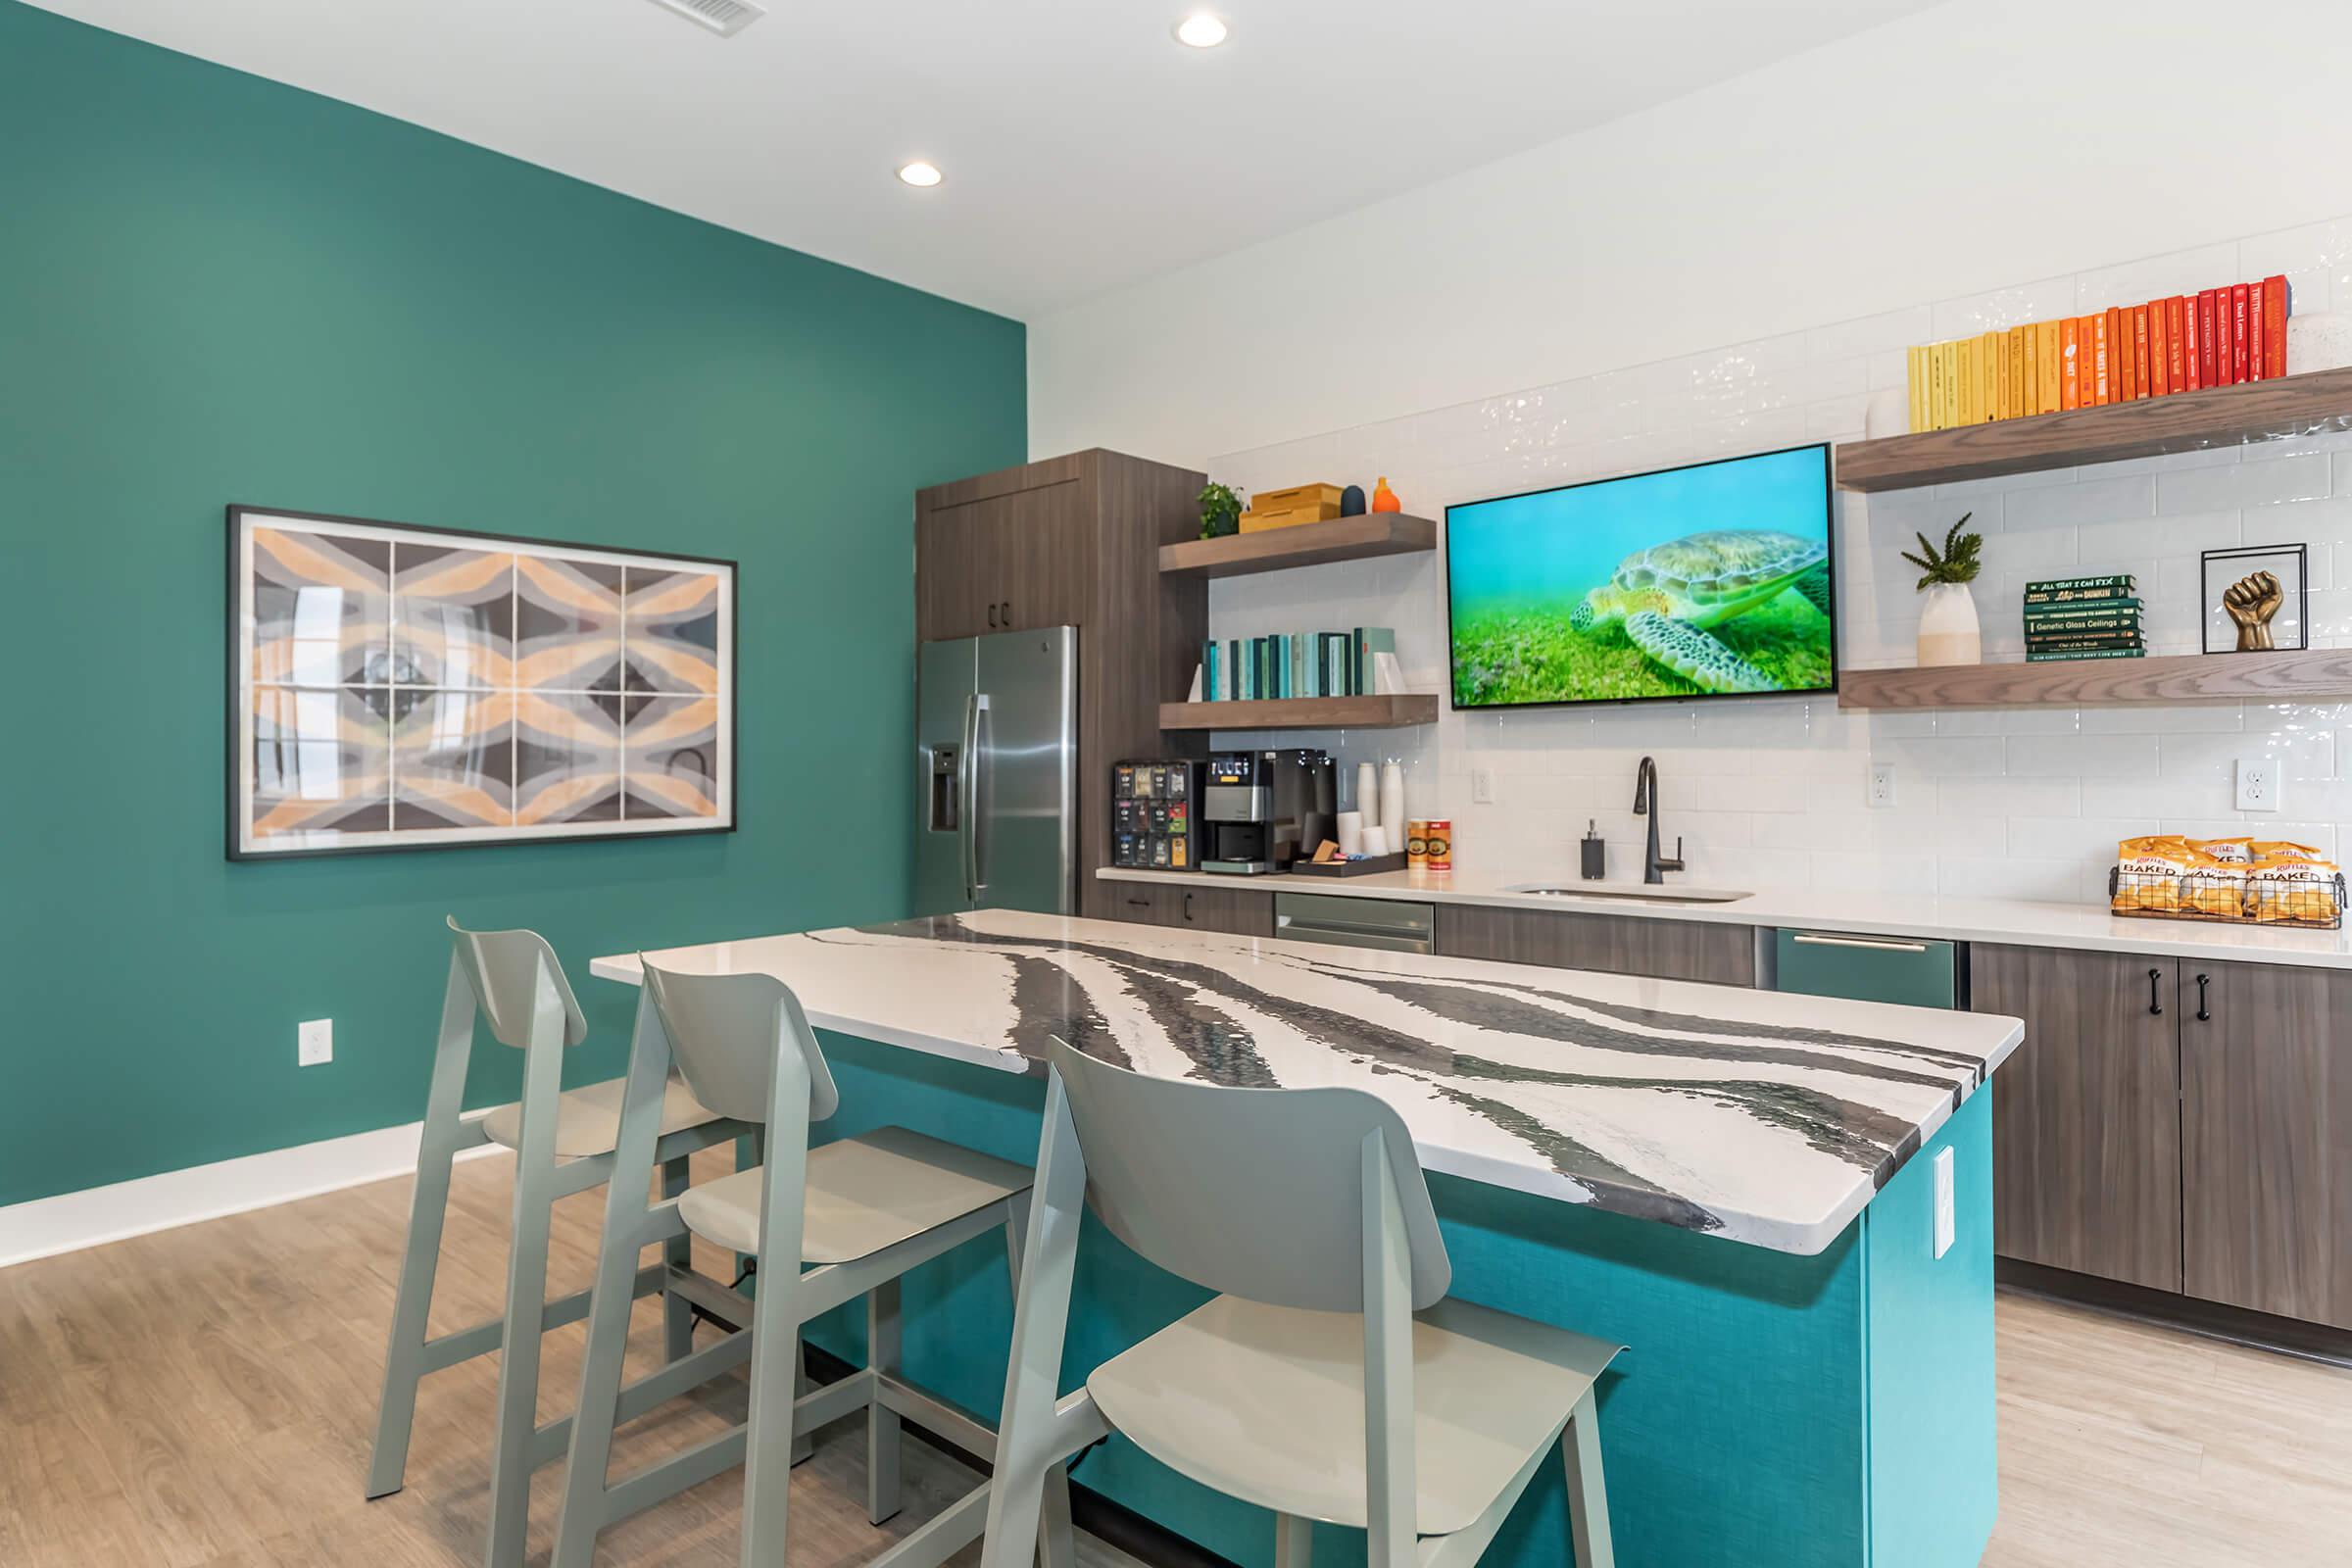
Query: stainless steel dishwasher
x=1390, y=924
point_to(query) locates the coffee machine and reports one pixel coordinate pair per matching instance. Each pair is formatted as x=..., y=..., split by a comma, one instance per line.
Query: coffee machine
x=1260, y=810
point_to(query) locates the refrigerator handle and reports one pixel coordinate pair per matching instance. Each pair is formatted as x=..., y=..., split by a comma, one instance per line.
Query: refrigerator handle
x=965, y=774
x=977, y=761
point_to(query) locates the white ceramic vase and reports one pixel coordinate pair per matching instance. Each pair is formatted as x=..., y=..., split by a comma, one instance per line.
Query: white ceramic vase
x=1948, y=633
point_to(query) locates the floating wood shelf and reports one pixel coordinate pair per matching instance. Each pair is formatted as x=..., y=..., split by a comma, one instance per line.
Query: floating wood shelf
x=2184, y=421
x=1303, y=712
x=2317, y=674
x=1307, y=543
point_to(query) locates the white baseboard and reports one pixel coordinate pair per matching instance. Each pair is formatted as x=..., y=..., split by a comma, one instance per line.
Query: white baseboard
x=72, y=1222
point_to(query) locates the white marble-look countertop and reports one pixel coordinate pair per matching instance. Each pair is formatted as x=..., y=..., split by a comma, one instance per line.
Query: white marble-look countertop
x=2022, y=922
x=1763, y=1118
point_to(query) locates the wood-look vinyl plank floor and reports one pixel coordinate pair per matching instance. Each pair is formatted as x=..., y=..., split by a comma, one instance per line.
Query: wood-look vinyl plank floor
x=205, y=1397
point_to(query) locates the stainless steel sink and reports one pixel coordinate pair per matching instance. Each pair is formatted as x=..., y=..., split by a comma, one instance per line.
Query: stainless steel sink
x=1649, y=894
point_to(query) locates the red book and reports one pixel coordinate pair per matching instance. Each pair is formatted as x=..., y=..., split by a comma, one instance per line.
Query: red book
x=2140, y=369
x=2274, y=316
x=2241, y=335
x=2159, y=379
x=2257, y=362
x=2209, y=338
x=2179, y=320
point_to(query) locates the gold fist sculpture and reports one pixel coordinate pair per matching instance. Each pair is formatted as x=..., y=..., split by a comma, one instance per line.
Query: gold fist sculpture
x=2251, y=603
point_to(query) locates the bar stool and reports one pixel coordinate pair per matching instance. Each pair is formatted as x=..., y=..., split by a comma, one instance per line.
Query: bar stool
x=863, y=1210
x=1333, y=1380
x=513, y=981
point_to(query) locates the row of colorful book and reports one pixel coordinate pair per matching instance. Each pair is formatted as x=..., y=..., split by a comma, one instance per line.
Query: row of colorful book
x=1305, y=664
x=2083, y=617
x=2186, y=343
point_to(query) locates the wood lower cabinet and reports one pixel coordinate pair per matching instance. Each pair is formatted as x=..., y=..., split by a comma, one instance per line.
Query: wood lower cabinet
x=2267, y=1138
x=1239, y=911
x=2086, y=1114
x=1667, y=950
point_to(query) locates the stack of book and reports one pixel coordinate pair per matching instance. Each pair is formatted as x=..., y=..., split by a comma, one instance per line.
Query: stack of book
x=2083, y=617
x=1305, y=663
x=2186, y=343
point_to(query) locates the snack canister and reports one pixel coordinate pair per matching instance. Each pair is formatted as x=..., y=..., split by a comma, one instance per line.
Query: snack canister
x=1416, y=843
x=1437, y=837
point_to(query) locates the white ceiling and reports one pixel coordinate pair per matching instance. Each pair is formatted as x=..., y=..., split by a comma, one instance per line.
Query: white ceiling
x=1084, y=148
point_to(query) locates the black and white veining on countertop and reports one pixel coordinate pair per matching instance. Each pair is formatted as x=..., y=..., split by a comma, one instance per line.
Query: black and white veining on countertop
x=1763, y=1117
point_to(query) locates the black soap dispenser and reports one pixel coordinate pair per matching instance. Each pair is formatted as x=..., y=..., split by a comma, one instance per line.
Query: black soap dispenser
x=1596, y=852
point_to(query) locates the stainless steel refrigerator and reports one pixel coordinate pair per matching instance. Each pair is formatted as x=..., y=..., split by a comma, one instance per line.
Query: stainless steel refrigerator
x=997, y=757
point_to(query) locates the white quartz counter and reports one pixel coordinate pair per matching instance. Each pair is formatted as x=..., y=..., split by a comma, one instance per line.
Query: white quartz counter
x=2019, y=921
x=1764, y=1118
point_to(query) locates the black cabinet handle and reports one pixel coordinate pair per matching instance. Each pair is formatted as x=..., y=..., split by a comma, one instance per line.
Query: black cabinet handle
x=2204, y=1015
x=992, y=614
x=1006, y=609
x=2155, y=998
x=1139, y=903
x=1188, y=906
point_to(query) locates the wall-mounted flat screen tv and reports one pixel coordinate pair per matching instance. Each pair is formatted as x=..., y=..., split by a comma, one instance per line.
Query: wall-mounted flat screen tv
x=1710, y=580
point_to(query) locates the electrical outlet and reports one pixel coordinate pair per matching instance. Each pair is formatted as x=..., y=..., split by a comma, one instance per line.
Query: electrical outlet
x=1879, y=792
x=1482, y=786
x=1946, y=1205
x=314, y=1043
x=2257, y=784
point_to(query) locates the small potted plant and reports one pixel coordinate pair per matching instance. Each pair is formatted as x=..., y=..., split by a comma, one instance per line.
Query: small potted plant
x=1220, y=511
x=1948, y=633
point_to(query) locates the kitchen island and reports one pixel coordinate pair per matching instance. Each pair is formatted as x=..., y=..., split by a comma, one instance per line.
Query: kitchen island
x=1737, y=1185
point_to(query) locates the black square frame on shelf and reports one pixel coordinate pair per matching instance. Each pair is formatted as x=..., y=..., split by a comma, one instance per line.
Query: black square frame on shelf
x=2243, y=611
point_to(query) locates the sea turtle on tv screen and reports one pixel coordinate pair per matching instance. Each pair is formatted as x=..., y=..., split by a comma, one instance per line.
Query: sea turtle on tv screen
x=1668, y=595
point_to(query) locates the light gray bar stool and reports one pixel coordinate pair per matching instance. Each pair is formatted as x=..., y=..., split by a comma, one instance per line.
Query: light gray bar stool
x=1333, y=1380
x=513, y=981
x=863, y=1210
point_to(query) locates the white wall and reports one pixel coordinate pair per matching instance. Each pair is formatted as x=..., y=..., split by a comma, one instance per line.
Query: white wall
x=1977, y=145
x=1565, y=314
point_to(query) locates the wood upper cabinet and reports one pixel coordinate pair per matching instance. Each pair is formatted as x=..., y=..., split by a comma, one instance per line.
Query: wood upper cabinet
x=1668, y=950
x=2086, y=1114
x=2267, y=1138
x=1006, y=559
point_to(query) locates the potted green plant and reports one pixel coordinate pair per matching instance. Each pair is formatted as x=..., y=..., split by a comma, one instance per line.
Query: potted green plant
x=1220, y=511
x=1948, y=631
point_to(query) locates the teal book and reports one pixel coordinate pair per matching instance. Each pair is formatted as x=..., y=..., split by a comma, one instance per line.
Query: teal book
x=1369, y=642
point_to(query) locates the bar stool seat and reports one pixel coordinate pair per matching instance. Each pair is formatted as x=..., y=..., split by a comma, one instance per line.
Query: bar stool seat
x=1266, y=1404
x=863, y=1194
x=588, y=1118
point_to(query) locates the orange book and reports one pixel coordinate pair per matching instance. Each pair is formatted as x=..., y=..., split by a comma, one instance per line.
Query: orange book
x=2119, y=354
x=2137, y=375
x=2017, y=370
x=2176, y=321
x=2029, y=369
x=2053, y=366
x=2274, y=317
x=2070, y=363
x=2102, y=363
x=2002, y=409
x=2159, y=379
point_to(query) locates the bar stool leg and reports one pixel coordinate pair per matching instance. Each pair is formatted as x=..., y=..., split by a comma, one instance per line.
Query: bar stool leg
x=412, y=1310
x=882, y=1422
x=1587, y=1493
x=677, y=1317
x=1057, y=1536
x=1294, y=1541
x=776, y=1319
x=527, y=1290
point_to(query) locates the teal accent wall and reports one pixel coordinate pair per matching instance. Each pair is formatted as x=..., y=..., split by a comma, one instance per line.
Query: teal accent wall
x=217, y=289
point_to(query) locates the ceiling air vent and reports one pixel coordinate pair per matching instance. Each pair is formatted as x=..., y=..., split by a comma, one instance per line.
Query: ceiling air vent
x=726, y=17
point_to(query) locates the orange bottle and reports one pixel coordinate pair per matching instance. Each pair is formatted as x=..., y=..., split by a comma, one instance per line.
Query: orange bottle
x=1385, y=499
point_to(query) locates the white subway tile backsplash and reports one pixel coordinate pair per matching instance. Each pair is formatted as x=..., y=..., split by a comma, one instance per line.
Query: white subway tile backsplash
x=1769, y=792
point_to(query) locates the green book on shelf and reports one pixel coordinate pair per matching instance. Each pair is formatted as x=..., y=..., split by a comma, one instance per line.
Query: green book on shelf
x=2057, y=586
x=2061, y=656
x=2080, y=609
x=2078, y=596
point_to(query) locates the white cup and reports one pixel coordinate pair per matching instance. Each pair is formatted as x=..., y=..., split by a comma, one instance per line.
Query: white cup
x=1376, y=842
x=1351, y=832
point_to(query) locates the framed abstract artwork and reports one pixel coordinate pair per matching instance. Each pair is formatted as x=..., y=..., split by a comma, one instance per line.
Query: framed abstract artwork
x=393, y=687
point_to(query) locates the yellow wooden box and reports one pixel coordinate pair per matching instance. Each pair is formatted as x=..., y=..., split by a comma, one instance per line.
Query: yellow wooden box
x=1299, y=495
x=1258, y=519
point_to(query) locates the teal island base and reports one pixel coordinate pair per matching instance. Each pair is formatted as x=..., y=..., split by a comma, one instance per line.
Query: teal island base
x=1772, y=1411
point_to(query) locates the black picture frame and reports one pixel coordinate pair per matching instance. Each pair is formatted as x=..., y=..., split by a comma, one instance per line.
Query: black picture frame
x=239, y=625
x=2236, y=561
x=1829, y=527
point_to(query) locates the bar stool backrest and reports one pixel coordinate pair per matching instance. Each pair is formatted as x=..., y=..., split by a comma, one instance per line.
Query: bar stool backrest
x=725, y=1032
x=1255, y=1192
x=504, y=967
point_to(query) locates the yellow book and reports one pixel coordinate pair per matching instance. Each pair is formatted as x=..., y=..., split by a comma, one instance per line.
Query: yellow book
x=1964, y=370
x=1952, y=385
x=2017, y=371
x=1988, y=374
x=2053, y=363
x=2002, y=347
x=1934, y=352
x=2028, y=371
x=1916, y=381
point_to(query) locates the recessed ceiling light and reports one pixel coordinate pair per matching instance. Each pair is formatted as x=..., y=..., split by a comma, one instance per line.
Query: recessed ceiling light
x=1201, y=29
x=921, y=174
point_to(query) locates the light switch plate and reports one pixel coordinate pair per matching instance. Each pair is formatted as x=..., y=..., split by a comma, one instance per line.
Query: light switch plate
x=2257, y=784
x=1946, y=1220
x=314, y=1043
x=1482, y=786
